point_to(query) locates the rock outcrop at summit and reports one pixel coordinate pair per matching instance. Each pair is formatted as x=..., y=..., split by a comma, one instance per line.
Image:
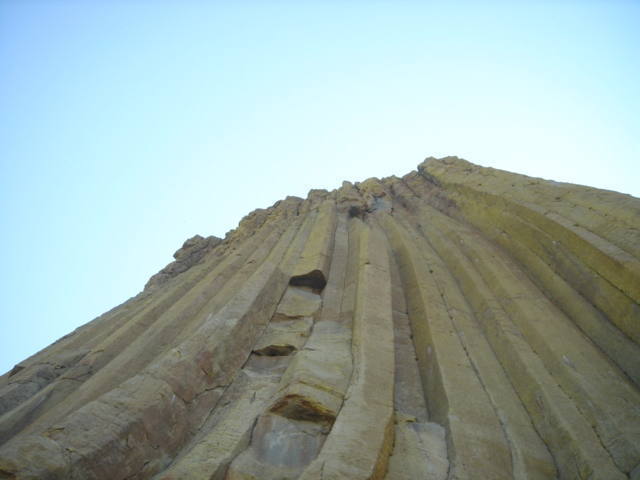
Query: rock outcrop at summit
x=460, y=322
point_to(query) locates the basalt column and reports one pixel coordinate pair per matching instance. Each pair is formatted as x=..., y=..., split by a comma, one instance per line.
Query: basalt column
x=460, y=322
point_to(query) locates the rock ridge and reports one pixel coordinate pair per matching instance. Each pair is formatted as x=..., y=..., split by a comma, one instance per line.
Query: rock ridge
x=459, y=322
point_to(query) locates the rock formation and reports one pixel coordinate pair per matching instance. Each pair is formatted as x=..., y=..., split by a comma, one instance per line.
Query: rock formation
x=460, y=322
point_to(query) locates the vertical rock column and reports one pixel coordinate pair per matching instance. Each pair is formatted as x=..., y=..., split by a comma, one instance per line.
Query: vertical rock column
x=290, y=432
x=361, y=439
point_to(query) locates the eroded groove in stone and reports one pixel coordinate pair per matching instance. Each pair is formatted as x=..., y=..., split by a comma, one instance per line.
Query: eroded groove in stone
x=420, y=449
x=554, y=414
x=475, y=445
x=459, y=322
x=555, y=340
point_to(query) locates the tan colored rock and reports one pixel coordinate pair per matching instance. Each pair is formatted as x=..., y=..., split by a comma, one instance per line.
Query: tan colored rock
x=419, y=451
x=370, y=395
x=460, y=322
x=313, y=266
x=191, y=252
x=283, y=337
x=298, y=302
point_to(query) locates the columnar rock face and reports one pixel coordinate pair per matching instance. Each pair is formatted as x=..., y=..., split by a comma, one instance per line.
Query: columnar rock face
x=460, y=322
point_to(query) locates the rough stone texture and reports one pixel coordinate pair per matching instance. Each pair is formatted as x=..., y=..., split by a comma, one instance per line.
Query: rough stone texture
x=459, y=322
x=191, y=252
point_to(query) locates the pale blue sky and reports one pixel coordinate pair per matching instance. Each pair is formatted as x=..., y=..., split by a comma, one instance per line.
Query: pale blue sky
x=126, y=127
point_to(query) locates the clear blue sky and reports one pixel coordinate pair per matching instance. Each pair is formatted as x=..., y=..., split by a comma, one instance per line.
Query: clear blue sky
x=126, y=127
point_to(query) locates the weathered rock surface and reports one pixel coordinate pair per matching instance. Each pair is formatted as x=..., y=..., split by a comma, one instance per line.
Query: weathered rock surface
x=191, y=252
x=460, y=322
